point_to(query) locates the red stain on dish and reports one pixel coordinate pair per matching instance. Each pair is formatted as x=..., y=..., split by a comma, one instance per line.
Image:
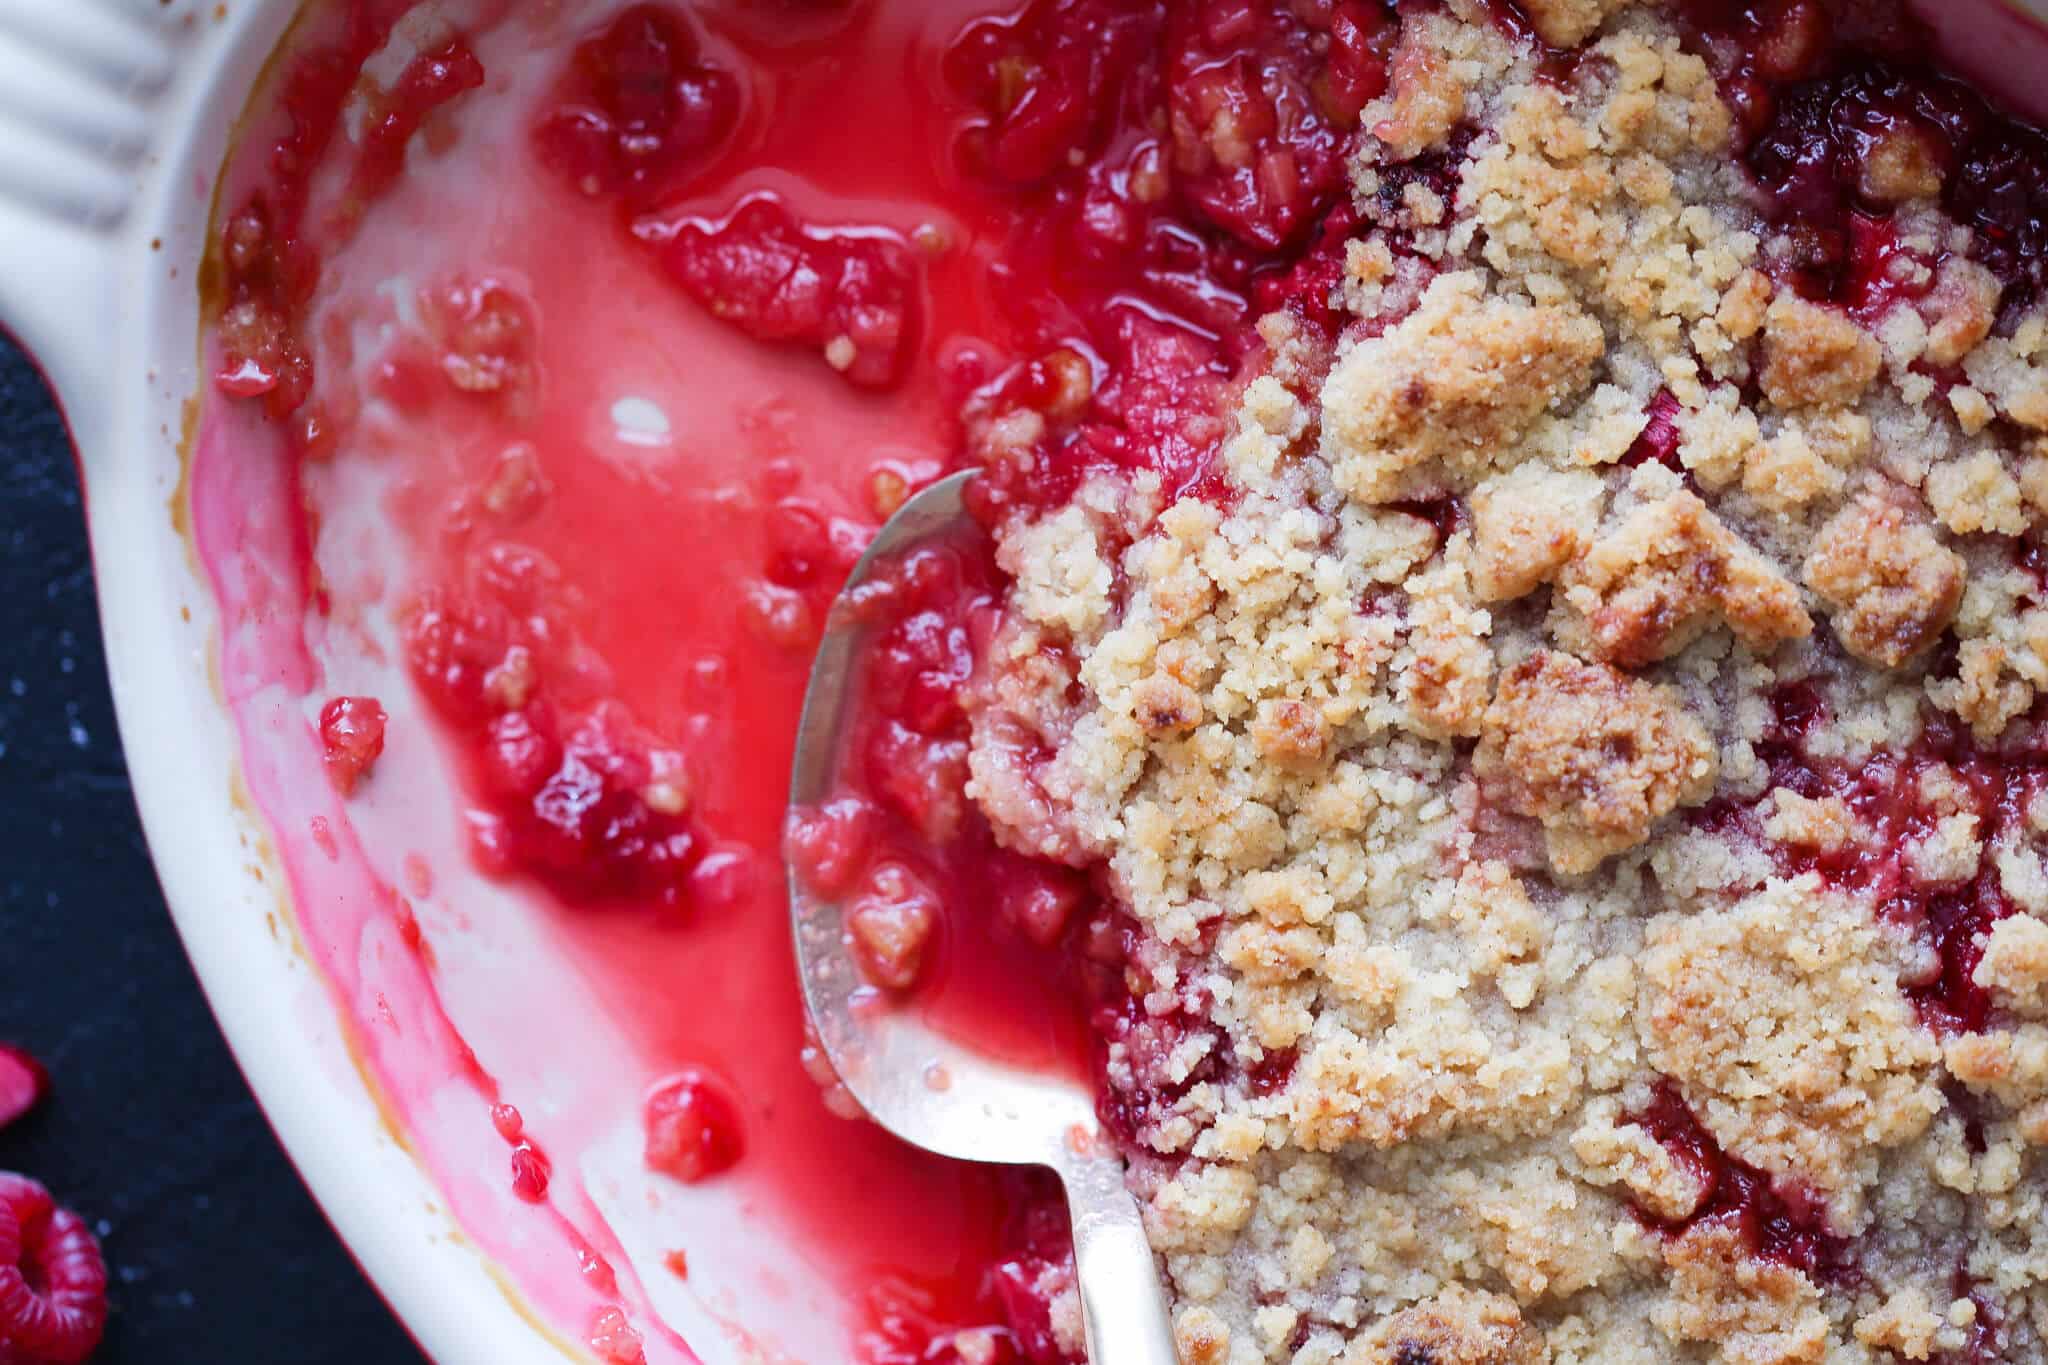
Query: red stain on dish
x=351, y=739
x=267, y=265
x=53, y=1279
x=429, y=81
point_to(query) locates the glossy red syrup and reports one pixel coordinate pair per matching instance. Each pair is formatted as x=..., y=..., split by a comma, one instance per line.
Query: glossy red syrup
x=1885, y=791
x=984, y=942
x=1779, y=1221
x=1816, y=86
x=634, y=423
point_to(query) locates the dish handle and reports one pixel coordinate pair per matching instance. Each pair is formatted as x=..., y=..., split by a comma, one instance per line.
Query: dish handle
x=84, y=83
x=59, y=301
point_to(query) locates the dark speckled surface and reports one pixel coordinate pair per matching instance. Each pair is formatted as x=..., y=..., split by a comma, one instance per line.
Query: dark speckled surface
x=218, y=1254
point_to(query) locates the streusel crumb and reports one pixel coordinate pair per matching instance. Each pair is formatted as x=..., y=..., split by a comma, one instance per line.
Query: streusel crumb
x=1892, y=587
x=1539, y=941
x=1596, y=756
x=1444, y=395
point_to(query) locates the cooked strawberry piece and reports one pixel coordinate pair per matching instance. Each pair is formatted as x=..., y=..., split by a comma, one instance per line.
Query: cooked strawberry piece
x=351, y=739
x=693, y=1128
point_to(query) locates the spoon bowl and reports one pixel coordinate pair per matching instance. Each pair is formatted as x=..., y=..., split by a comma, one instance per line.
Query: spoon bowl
x=931, y=1090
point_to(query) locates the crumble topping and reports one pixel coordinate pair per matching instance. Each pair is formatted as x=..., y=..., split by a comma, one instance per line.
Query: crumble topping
x=1669, y=570
x=1447, y=392
x=1546, y=944
x=1890, y=583
x=1595, y=755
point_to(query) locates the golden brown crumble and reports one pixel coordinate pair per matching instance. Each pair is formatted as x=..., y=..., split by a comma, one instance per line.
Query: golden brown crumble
x=1666, y=572
x=1529, y=523
x=1457, y=1327
x=1815, y=356
x=1753, y=1312
x=1890, y=584
x=1454, y=842
x=1598, y=757
x=1427, y=99
x=1442, y=396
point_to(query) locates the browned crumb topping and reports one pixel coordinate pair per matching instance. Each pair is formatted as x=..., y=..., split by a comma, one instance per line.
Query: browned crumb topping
x=1453, y=844
x=1815, y=357
x=1670, y=569
x=1457, y=1327
x=1443, y=395
x=1567, y=23
x=1598, y=757
x=1891, y=585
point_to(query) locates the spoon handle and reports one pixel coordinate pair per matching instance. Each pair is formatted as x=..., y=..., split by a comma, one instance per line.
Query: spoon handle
x=1122, y=1306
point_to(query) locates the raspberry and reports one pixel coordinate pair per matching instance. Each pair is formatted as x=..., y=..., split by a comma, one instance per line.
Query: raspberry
x=22, y=1083
x=53, y=1281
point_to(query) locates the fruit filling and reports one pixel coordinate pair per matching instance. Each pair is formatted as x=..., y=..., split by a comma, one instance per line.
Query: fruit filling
x=1491, y=706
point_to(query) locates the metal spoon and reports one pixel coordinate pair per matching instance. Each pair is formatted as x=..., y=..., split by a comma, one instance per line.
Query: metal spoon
x=929, y=1090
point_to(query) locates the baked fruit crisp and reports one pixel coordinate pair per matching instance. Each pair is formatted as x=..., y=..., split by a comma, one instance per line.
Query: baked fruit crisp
x=1573, y=776
x=1496, y=706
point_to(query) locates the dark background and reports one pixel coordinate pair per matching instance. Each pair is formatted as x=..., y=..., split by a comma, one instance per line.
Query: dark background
x=216, y=1252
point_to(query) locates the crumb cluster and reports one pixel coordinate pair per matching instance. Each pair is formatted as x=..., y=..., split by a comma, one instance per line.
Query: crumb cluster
x=1462, y=843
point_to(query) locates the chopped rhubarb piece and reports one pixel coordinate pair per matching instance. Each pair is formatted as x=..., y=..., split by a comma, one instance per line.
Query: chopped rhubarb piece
x=639, y=108
x=851, y=294
x=1781, y=1221
x=693, y=1128
x=351, y=739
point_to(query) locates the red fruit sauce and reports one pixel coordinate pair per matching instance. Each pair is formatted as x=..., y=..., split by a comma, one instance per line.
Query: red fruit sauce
x=1779, y=1221
x=630, y=325
x=633, y=425
x=1885, y=792
x=1816, y=87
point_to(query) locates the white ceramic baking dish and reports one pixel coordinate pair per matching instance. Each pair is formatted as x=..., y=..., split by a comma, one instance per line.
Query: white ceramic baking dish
x=114, y=116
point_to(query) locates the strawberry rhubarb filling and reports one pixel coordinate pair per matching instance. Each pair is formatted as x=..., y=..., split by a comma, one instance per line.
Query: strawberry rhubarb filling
x=1490, y=707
